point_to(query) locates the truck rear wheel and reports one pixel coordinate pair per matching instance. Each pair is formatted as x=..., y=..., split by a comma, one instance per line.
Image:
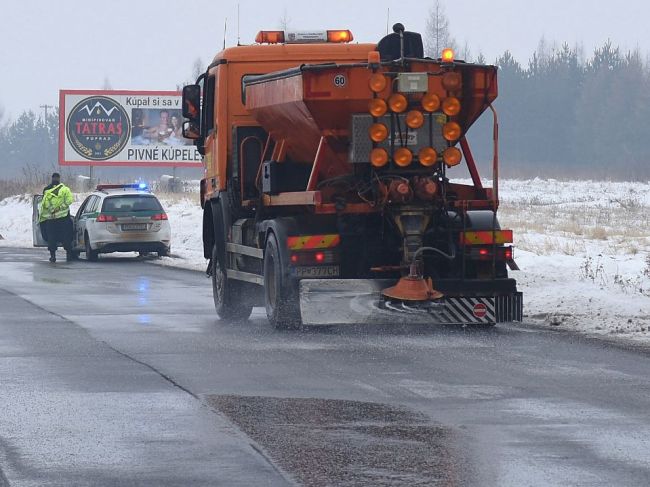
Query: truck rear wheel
x=280, y=296
x=229, y=300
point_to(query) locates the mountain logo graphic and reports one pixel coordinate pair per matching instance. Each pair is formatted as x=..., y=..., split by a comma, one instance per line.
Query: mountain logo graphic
x=98, y=128
x=97, y=106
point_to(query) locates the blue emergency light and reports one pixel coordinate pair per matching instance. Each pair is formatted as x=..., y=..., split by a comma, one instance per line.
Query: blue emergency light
x=138, y=186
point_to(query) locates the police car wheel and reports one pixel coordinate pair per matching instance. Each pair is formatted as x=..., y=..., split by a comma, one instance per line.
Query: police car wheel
x=91, y=254
x=229, y=300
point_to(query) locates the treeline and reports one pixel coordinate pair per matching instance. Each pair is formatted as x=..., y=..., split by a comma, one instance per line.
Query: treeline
x=561, y=115
x=29, y=143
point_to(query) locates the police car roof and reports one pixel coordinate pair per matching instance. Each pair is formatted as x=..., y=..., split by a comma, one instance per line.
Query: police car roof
x=125, y=192
x=126, y=189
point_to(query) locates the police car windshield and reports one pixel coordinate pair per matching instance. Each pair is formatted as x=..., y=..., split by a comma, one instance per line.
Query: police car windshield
x=130, y=203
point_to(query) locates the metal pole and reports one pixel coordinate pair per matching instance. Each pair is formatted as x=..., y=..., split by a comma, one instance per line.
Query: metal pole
x=387, y=21
x=45, y=109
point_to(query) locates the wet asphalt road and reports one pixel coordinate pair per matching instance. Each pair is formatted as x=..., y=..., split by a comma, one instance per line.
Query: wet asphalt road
x=117, y=373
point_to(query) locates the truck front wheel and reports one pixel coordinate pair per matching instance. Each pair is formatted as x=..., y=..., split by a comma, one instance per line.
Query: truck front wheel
x=229, y=300
x=280, y=296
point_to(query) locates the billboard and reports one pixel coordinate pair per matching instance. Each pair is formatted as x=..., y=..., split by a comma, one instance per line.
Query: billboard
x=123, y=128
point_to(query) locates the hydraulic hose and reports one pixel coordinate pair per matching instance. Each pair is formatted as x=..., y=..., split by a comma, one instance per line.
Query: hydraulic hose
x=413, y=271
x=421, y=250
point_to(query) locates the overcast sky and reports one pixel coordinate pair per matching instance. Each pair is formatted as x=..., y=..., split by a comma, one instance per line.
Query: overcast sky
x=47, y=45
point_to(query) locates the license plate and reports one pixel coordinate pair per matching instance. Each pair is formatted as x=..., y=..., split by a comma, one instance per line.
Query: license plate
x=318, y=271
x=130, y=227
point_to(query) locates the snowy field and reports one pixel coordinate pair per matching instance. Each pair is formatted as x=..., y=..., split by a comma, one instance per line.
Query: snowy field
x=584, y=251
x=583, y=247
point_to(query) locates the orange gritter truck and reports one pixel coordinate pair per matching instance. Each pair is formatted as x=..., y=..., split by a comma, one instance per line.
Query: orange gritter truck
x=327, y=195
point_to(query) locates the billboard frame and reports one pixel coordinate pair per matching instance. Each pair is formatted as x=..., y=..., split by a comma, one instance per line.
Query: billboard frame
x=62, y=129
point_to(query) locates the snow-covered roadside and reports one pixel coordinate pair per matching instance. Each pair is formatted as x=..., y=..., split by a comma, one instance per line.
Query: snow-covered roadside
x=16, y=221
x=601, y=295
x=584, y=251
x=583, y=248
x=186, y=220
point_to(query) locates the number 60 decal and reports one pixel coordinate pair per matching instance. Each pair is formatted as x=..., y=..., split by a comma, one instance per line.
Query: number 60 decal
x=339, y=80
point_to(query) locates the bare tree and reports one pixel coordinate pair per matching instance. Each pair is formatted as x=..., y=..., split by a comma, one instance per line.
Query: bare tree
x=285, y=21
x=198, y=68
x=107, y=84
x=437, y=35
x=465, y=53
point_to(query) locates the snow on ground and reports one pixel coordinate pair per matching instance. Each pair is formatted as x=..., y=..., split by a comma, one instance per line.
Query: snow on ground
x=186, y=220
x=583, y=247
x=16, y=221
x=584, y=251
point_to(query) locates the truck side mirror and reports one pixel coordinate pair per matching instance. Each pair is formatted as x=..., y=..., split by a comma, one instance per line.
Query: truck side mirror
x=192, y=103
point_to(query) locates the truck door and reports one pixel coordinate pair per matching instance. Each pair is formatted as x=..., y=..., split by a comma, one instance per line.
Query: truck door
x=37, y=237
x=208, y=125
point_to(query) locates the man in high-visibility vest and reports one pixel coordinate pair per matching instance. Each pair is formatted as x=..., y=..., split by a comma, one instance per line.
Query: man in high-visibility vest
x=54, y=216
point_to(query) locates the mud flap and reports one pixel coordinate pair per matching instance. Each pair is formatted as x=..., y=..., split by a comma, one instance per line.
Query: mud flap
x=359, y=301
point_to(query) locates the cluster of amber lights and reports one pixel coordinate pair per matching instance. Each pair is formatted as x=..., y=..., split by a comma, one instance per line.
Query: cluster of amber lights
x=398, y=103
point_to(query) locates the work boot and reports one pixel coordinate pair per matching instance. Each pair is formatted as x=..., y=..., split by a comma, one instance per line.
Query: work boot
x=52, y=256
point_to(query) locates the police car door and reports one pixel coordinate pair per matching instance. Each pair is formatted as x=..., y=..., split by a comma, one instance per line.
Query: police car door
x=37, y=237
x=81, y=219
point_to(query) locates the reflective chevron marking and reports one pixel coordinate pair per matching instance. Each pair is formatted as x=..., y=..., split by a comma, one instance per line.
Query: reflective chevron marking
x=471, y=310
x=486, y=237
x=310, y=242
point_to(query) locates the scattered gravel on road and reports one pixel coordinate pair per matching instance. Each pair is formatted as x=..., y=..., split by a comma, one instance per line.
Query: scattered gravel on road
x=338, y=442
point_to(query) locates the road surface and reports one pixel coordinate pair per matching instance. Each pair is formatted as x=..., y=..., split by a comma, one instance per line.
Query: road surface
x=118, y=373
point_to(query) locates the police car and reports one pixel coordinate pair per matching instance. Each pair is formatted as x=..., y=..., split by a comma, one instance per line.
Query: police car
x=121, y=218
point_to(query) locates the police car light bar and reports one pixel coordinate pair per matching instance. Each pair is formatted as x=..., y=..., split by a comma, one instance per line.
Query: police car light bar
x=303, y=37
x=142, y=186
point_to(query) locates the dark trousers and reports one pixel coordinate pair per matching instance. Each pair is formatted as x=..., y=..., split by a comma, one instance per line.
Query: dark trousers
x=59, y=231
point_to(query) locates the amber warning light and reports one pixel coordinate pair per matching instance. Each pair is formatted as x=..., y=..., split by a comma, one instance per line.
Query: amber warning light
x=448, y=55
x=303, y=37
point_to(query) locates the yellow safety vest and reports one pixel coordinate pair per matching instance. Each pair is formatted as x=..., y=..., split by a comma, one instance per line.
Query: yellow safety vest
x=55, y=203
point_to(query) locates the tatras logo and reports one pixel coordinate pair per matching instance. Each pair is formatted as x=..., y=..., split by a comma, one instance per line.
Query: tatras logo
x=98, y=128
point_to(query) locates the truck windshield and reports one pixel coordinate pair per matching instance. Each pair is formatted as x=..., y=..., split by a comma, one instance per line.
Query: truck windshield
x=131, y=203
